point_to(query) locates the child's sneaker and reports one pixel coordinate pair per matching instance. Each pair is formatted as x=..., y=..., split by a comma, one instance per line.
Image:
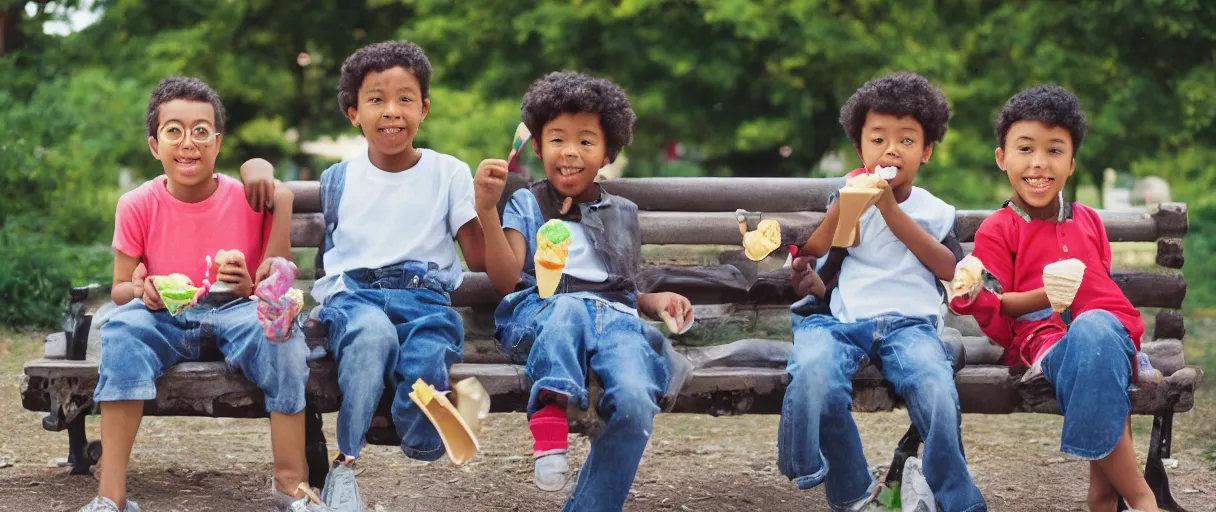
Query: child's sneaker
x=341, y=492
x=551, y=470
x=100, y=504
x=914, y=492
x=284, y=502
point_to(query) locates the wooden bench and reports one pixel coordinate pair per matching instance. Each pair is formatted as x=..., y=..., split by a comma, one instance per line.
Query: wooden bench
x=747, y=376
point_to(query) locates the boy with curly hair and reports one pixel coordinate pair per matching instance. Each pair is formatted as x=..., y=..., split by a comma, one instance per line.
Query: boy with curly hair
x=1090, y=360
x=390, y=217
x=886, y=308
x=580, y=124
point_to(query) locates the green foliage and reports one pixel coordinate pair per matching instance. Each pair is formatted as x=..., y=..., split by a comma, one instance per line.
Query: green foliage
x=735, y=81
x=37, y=272
x=889, y=497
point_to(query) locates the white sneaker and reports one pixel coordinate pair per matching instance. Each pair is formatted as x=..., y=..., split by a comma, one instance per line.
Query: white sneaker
x=551, y=470
x=100, y=504
x=914, y=492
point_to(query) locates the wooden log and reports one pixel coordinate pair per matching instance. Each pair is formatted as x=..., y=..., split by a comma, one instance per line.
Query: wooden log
x=307, y=196
x=801, y=195
x=1171, y=220
x=1143, y=289
x=721, y=228
x=307, y=230
x=1169, y=325
x=210, y=389
x=1152, y=290
x=1169, y=252
x=726, y=194
x=1166, y=355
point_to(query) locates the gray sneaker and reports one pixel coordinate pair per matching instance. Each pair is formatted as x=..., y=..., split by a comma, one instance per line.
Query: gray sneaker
x=287, y=503
x=341, y=492
x=551, y=470
x=100, y=504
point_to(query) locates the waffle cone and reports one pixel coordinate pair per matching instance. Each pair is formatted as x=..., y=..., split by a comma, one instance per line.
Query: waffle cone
x=1061, y=280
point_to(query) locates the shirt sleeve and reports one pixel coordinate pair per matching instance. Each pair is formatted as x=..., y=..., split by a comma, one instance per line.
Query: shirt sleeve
x=130, y=227
x=522, y=214
x=992, y=249
x=460, y=199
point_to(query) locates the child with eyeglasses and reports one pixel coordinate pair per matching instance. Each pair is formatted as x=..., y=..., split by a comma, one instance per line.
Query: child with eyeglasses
x=172, y=225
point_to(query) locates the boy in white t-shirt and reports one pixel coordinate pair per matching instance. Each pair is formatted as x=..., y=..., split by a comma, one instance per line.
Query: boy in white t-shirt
x=886, y=307
x=390, y=218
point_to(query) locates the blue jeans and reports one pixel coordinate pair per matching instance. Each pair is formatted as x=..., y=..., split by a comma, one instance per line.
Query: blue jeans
x=817, y=430
x=565, y=336
x=138, y=345
x=390, y=331
x=1091, y=368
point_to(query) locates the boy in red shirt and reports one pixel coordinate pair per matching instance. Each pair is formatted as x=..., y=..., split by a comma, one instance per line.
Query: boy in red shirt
x=1089, y=361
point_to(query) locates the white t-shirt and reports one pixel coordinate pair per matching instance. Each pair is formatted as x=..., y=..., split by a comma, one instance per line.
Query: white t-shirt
x=582, y=261
x=385, y=218
x=881, y=276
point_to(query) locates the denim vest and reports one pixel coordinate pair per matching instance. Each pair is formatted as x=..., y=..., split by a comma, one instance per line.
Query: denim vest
x=403, y=275
x=612, y=229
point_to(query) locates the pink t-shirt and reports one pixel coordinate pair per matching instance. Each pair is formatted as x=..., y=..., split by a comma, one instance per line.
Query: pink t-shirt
x=170, y=236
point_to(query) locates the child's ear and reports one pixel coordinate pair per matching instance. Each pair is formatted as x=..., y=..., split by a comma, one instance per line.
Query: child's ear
x=536, y=148
x=1000, y=159
x=154, y=147
x=219, y=141
x=924, y=159
x=1072, y=166
x=353, y=114
x=426, y=109
x=860, y=157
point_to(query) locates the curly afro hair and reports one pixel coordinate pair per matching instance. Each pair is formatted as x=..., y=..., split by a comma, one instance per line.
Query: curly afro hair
x=375, y=58
x=572, y=93
x=1051, y=105
x=182, y=88
x=898, y=94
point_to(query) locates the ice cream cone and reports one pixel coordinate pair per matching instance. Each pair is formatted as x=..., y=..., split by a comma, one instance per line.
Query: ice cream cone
x=758, y=244
x=457, y=437
x=853, y=203
x=1061, y=280
x=552, y=248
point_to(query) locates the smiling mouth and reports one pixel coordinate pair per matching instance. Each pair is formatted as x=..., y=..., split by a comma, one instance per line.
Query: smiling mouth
x=186, y=161
x=569, y=171
x=1038, y=182
x=391, y=131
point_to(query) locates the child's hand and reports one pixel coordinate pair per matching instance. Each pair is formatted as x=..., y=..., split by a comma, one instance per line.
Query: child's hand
x=144, y=289
x=488, y=184
x=887, y=200
x=263, y=269
x=258, y=177
x=804, y=279
x=235, y=272
x=674, y=309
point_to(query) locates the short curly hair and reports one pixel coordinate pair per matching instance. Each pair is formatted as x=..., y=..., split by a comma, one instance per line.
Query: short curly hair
x=375, y=58
x=182, y=88
x=1051, y=105
x=566, y=92
x=898, y=94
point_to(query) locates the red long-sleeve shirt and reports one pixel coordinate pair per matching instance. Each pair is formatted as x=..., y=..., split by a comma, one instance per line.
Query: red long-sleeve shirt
x=1014, y=248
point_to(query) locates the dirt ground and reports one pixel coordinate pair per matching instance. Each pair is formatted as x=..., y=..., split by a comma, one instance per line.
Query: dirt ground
x=693, y=462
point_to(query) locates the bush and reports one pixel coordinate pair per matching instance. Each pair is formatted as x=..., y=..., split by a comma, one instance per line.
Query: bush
x=37, y=273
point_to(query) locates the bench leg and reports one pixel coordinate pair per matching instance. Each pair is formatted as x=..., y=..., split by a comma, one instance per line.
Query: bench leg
x=315, y=450
x=79, y=448
x=1159, y=446
x=909, y=446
